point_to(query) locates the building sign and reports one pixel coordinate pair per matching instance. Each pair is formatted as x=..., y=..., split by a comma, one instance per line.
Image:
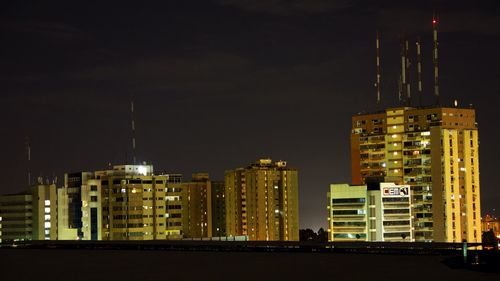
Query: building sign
x=400, y=191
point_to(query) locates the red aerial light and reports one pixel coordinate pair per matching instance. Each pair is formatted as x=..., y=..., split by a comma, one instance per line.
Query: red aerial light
x=434, y=21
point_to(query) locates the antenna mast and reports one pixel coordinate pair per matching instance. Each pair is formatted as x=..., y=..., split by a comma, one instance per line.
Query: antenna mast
x=133, y=129
x=377, y=44
x=407, y=74
x=435, y=57
x=419, y=71
x=28, y=154
x=403, y=67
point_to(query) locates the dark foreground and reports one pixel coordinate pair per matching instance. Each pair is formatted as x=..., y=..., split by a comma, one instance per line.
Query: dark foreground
x=144, y=265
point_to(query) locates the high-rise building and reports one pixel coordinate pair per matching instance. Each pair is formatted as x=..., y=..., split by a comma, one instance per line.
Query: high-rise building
x=70, y=224
x=435, y=152
x=126, y=202
x=31, y=215
x=197, y=206
x=218, y=209
x=133, y=203
x=373, y=212
x=203, y=207
x=262, y=201
x=71, y=195
x=173, y=206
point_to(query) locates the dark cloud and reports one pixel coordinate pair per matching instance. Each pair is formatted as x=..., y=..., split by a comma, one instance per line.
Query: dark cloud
x=290, y=7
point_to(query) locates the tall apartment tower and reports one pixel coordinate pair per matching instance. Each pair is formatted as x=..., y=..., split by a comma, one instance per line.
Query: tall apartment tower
x=133, y=203
x=435, y=152
x=262, y=202
x=197, y=207
x=174, y=194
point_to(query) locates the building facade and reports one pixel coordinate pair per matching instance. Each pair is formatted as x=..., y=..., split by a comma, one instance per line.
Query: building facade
x=490, y=222
x=262, y=202
x=375, y=212
x=197, y=206
x=31, y=215
x=435, y=152
x=133, y=203
x=174, y=207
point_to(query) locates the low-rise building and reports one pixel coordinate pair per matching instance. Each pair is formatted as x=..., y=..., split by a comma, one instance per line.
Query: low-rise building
x=373, y=212
x=30, y=215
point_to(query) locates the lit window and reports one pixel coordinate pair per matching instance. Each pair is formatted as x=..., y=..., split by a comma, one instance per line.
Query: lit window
x=47, y=202
x=47, y=210
x=47, y=224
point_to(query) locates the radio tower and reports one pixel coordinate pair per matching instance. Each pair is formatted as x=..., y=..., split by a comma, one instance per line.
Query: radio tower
x=133, y=129
x=435, y=57
x=377, y=45
x=28, y=155
x=419, y=71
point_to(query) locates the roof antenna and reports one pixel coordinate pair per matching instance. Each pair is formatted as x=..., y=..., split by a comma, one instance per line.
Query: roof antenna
x=407, y=73
x=402, y=87
x=405, y=66
x=377, y=84
x=28, y=154
x=133, y=128
x=419, y=71
x=435, y=23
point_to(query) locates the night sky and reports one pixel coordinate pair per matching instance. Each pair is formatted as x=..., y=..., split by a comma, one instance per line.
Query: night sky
x=219, y=84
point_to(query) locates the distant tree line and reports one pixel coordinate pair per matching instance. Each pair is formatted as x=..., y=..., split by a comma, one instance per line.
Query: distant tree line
x=309, y=235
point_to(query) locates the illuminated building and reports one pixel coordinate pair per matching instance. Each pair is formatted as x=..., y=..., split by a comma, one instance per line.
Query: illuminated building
x=173, y=206
x=435, y=152
x=373, y=212
x=196, y=201
x=44, y=215
x=92, y=215
x=218, y=209
x=203, y=207
x=70, y=205
x=262, y=201
x=126, y=202
x=491, y=223
x=70, y=225
x=133, y=203
x=29, y=215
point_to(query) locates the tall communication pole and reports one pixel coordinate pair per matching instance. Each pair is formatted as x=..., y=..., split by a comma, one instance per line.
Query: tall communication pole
x=419, y=71
x=378, y=85
x=435, y=57
x=133, y=129
x=28, y=157
x=407, y=73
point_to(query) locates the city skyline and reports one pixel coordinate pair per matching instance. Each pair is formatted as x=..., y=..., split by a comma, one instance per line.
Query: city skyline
x=224, y=83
